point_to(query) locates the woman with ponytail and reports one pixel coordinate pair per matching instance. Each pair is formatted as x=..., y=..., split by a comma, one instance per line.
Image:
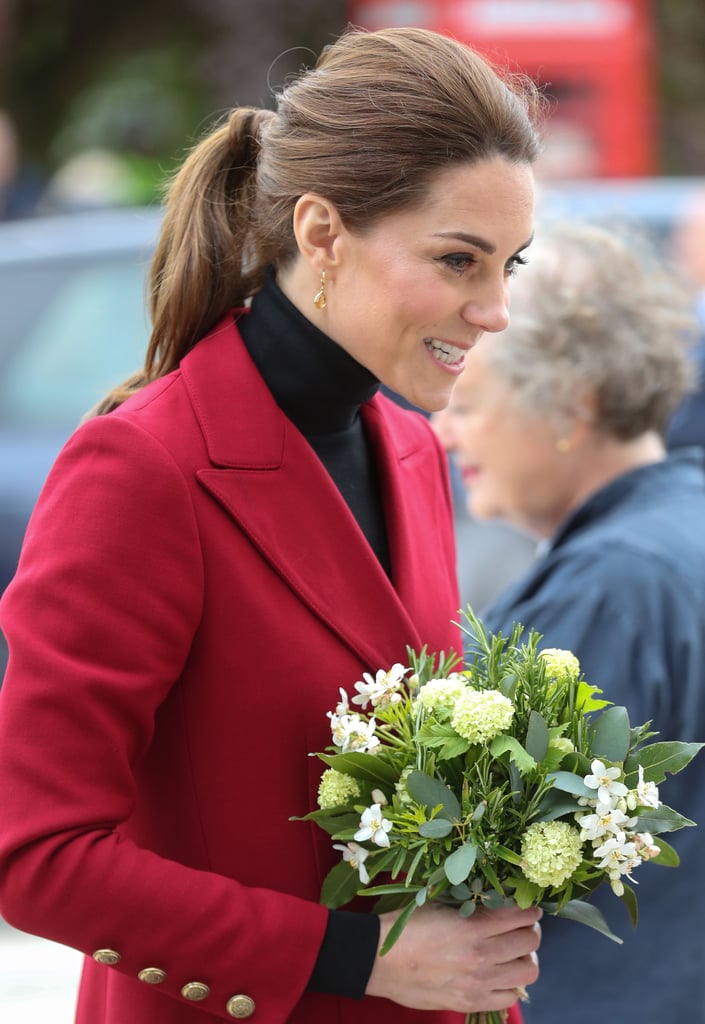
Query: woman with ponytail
x=244, y=527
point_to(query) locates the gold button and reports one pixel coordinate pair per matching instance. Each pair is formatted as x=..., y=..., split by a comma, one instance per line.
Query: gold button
x=195, y=991
x=240, y=1006
x=107, y=956
x=152, y=975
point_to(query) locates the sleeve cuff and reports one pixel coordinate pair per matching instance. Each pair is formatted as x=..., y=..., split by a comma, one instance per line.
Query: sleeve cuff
x=346, y=955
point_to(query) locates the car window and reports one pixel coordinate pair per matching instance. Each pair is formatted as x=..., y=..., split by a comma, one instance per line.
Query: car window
x=78, y=330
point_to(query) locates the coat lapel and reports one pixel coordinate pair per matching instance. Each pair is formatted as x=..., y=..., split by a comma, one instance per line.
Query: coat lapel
x=268, y=478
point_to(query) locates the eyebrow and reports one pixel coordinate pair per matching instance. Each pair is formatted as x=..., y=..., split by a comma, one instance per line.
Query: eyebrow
x=480, y=243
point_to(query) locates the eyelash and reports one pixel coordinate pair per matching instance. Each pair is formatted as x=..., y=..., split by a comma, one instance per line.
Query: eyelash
x=460, y=261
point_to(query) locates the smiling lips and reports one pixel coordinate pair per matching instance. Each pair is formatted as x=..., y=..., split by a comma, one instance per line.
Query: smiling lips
x=444, y=352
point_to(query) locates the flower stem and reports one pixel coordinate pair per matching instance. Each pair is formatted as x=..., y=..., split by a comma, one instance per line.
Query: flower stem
x=488, y=1017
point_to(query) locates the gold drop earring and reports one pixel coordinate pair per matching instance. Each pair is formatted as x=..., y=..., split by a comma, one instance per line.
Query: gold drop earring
x=319, y=299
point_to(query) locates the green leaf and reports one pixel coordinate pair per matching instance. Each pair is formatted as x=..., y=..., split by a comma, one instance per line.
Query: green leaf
x=397, y=928
x=661, y=819
x=340, y=885
x=468, y=908
x=568, y=782
x=369, y=767
x=526, y=893
x=508, y=855
x=537, y=737
x=555, y=804
x=450, y=744
x=585, y=700
x=334, y=823
x=658, y=759
x=431, y=792
x=509, y=744
x=668, y=857
x=588, y=914
x=612, y=734
x=437, y=828
x=460, y=863
x=628, y=898
x=391, y=887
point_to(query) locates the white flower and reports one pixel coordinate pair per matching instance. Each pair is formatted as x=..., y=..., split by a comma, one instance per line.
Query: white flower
x=605, y=819
x=379, y=797
x=645, y=845
x=604, y=780
x=383, y=690
x=647, y=792
x=619, y=856
x=374, y=826
x=350, y=732
x=355, y=856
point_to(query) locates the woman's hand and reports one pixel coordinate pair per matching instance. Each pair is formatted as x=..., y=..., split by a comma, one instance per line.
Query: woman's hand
x=442, y=961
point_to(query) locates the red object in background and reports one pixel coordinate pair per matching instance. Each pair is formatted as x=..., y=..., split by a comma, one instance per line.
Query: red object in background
x=595, y=59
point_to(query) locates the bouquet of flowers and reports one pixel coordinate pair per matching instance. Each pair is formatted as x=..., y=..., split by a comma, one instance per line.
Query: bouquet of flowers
x=503, y=780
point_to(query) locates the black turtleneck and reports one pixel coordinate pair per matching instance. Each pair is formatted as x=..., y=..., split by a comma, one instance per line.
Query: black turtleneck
x=320, y=388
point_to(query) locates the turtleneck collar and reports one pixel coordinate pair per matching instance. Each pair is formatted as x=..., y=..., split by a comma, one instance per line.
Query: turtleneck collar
x=316, y=383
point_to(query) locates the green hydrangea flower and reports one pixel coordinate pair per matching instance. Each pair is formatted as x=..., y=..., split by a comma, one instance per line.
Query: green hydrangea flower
x=336, y=788
x=551, y=851
x=480, y=715
x=441, y=693
x=561, y=665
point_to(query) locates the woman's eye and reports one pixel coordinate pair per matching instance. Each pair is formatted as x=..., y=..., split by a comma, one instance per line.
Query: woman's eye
x=458, y=261
x=512, y=265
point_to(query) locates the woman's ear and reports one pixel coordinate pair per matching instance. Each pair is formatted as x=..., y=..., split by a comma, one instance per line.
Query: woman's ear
x=317, y=229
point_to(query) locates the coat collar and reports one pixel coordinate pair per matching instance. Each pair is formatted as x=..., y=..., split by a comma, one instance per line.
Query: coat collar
x=266, y=476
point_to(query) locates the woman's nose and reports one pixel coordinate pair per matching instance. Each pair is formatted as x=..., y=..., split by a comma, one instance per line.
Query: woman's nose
x=490, y=310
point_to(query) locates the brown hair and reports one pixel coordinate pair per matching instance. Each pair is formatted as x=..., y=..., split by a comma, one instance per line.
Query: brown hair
x=367, y=128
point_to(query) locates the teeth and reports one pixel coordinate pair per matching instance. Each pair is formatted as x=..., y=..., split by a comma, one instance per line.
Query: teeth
x=444, y=352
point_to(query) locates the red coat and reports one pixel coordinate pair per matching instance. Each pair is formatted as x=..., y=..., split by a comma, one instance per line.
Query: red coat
x=192, y=592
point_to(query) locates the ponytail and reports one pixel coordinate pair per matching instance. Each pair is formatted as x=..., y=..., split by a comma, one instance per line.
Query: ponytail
x=207, y=260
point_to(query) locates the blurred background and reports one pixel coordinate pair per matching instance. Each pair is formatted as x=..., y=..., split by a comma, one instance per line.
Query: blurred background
x=100, y=102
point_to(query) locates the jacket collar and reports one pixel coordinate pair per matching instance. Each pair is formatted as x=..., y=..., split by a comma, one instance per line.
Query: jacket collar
x=266, y=476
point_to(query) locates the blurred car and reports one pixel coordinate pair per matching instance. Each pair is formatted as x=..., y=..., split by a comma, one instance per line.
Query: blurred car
x=74, y=324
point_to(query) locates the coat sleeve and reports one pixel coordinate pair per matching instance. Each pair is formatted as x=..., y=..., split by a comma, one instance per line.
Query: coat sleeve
x=99, y=621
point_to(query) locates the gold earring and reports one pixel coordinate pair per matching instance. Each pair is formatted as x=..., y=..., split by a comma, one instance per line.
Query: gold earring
x=319, y=299
x=563, y=444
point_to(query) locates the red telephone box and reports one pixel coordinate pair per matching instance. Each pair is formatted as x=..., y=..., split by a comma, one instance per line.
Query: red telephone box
x=594, y=59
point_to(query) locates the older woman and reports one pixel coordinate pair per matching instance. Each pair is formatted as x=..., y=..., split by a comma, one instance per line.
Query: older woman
x=557, y=425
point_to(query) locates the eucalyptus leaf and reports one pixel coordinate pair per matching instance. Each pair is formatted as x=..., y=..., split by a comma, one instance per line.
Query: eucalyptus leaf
x=555, y=804
x=612, y=734
x=461, y=892
x=460, y=863
x=537, y=737
x=437, y=828
x=588, y=914
x=467, y=909
x=431, y=792
x=568, y=782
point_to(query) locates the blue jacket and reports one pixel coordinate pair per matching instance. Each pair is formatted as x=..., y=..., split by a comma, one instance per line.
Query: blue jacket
x=622, y=585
